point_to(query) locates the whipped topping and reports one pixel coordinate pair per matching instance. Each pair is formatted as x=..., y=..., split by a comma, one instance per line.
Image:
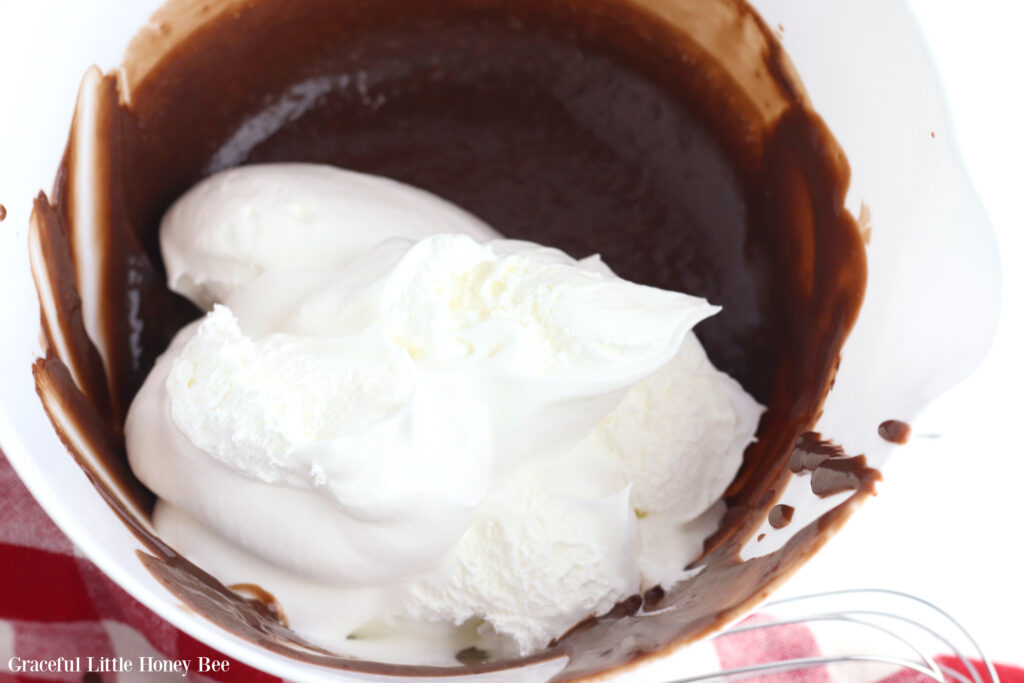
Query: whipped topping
x=230, y=228
x=431, y=425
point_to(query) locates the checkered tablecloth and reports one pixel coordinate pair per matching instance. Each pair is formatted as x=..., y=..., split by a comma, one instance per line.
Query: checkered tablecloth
x=56, y=606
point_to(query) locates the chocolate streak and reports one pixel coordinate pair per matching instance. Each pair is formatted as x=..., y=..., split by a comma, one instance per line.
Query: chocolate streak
x=673, y=139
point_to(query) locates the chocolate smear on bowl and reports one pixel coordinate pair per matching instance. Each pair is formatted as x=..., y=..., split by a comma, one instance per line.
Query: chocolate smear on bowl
x=843, y=474
x=471, y=655
x=895, y=431
x=811, y=451
x=832, y=470
x=675, y=140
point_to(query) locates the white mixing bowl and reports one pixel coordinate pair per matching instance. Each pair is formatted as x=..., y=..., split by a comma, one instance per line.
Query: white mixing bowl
x=928, y=315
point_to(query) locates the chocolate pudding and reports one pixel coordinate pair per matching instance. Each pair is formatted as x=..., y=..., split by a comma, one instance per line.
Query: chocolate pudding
x=674, y=139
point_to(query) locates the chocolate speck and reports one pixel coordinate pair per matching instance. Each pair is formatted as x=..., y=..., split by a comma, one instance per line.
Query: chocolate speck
x=894, y=431
x=780, y=516
x=472, y=655
x=760, y=537
x=933, y=135
x=653, y=596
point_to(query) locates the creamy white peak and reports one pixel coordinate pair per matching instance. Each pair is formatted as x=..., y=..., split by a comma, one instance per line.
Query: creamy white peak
x=439, y=429
x=237, y=224
x=251, y=403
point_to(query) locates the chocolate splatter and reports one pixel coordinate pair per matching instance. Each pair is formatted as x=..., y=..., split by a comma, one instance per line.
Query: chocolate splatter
x=895, y=431
x=810, y=451
x=780, y=516
x=832, y=471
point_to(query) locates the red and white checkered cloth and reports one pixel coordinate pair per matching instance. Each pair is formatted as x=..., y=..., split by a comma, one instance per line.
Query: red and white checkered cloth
x=56, y=603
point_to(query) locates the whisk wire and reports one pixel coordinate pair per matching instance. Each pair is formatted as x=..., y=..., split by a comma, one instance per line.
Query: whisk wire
x=894, y=622
x=802, y=663
x=844, y=618
x=946, y=616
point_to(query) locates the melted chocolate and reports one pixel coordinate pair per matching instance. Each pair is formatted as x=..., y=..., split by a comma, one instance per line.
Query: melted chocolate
x=684, y=152
x=780, y=516
x=895, y=431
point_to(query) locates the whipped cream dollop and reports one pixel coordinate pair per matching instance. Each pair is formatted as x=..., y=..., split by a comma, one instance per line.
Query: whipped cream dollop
x=423, y=425
x=229, y=229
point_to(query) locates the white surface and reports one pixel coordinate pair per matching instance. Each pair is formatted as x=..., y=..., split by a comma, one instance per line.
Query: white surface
x=945, y=514
x=958, y=483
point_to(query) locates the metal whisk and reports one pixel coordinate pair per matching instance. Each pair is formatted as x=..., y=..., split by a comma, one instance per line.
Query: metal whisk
x=901, y=631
